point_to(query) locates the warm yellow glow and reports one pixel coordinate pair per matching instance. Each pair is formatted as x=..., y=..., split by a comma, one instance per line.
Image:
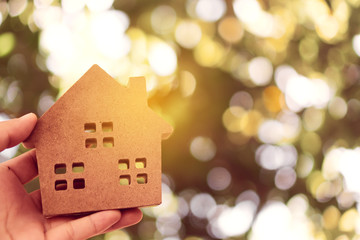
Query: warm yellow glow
x=208, y=53
x=71, y=47
x=72, y=6
x=117, y=235
x=234, y=221
x=271, y=131
x=16, y=7
x=111, y=40
x=47, y=16
x=237, y=138
x=203, y=148
x=250, y=122
x=283, y=74
x=169, y=205
x=348, y=220
x=187, y=83
x=242, y=99
x=344, y=237
x=201, y=204
x=311, y=143
x=313, y=182
x=257, y=21
x=138, y=52
x=7, y=43
x=330, y=218
x=188, y=34
x=162, y=58
x=316, y=9
x=26, y=17
x=273, y=99
x=327, y=27
x=331, y=163
x=325, y=191
x=99, y=6
x=355, y=3
x=342, y=10
x=194, y=238
x=338, y=108
x=163, y=19
x=230, y=29
x=305, y=165
x=269, y=86
x=356, y=44
x=277, y=221
x=313, y=118
x=210, y=10
x=43, y=3
x=247, y=11
x=286, y=24
x=331, y=23
x=232, y=118
x=302, y=92
x=274, y=157
x=286, y=130
x=260, y=71
x=346, y=199
x=309, y=49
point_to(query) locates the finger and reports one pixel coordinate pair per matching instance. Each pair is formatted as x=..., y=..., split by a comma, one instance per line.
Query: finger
x=128, y=218
x=24, y=166
x=15, y=131
x=85, y=227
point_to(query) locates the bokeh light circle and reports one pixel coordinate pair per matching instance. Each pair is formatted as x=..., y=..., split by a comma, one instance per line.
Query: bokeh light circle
x=210, y=10
x=218, y=178
x=260, y=71
x=202, y=148
x=162, y=59
x=201, y=204
x=230, y=29
x=188, y=34
x=285, y=178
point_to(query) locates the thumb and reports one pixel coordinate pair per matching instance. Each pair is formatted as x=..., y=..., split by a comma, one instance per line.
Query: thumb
x=85, y=227
x=16, y=130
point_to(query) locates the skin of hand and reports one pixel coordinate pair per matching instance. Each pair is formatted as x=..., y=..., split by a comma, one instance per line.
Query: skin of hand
x=21, y=213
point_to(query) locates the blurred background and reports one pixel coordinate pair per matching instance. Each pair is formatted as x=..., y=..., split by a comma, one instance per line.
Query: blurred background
x=264, y=97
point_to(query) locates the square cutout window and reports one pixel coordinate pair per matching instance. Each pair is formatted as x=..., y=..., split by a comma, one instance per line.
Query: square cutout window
x=141, y=178
x=60, y=185
x=78, y=167
x=140, y=163
x=60, y=168
x=124, y=180
x=89, y=127
x=123, y=164
x=90, y=143
x=107, y=126
x=79, y=183
x=108, y=142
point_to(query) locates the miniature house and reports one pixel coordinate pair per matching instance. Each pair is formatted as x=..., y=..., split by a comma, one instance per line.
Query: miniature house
x=99, y=147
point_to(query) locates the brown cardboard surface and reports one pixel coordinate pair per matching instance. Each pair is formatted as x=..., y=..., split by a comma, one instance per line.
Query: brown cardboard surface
x=99, y=147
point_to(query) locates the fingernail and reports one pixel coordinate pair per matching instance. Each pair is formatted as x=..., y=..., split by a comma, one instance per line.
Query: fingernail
x=26, y=115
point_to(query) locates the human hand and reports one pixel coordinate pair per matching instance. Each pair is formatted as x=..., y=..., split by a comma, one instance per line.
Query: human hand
x=20, y=212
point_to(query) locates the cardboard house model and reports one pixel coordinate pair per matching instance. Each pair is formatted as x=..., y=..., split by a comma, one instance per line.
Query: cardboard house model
x=99, y=147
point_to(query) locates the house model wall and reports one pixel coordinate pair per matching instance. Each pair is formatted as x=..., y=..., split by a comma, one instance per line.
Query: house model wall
x=99, y=147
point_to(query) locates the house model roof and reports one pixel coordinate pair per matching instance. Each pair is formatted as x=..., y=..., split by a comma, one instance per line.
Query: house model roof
x=99, y=147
